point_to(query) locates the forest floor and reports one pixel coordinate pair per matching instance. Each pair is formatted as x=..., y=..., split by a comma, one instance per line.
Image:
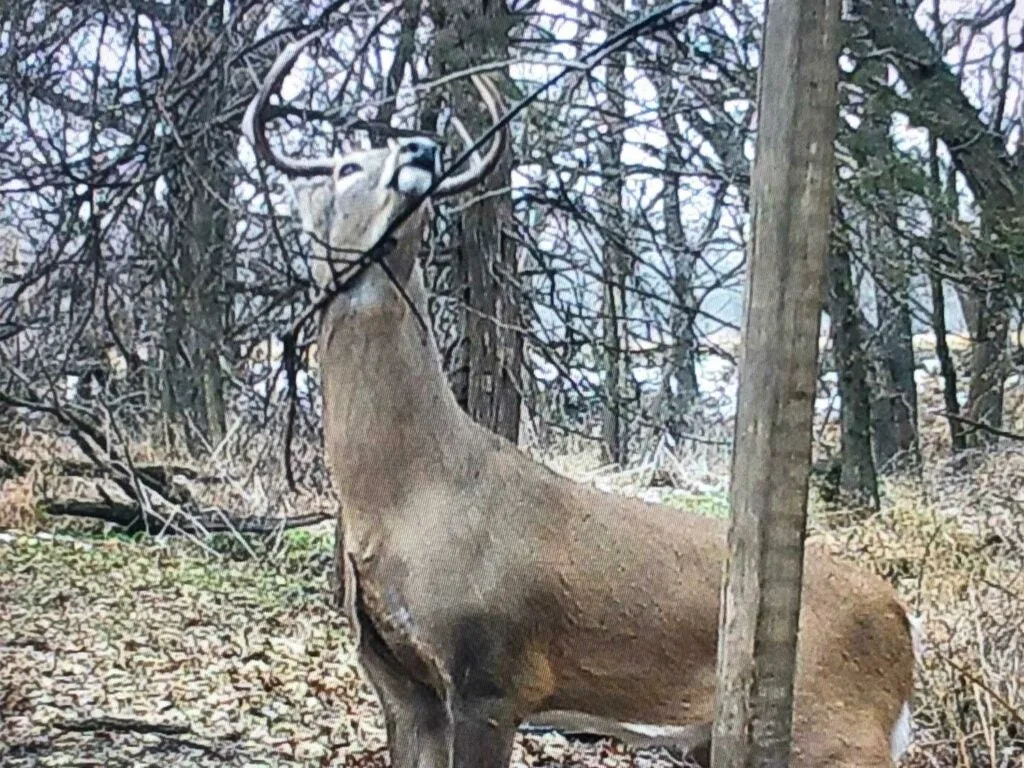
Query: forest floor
x=136, y=653
x=147, y=652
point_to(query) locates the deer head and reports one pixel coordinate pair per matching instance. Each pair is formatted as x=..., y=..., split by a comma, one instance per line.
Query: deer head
x=349, y=203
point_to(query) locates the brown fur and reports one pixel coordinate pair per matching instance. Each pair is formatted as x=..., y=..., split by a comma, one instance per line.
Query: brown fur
x=518, y=584
x=485, y=590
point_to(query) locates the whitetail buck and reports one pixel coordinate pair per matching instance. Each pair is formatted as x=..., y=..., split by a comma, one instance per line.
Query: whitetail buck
x=487, y=592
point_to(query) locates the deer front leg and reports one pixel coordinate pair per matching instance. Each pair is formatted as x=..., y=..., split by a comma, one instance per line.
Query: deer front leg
x=484, y=732
x=418, y=725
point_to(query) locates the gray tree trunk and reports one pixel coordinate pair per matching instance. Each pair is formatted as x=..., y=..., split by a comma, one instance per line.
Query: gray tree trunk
x=615, y=264
x=940, y=213
x=895, y=406
x=791, y=199
x=201, y=264
x=991, y=321
x=857, y=479
x=679, y=388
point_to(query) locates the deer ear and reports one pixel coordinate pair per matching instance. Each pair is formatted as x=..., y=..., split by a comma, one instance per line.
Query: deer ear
x=392, y=142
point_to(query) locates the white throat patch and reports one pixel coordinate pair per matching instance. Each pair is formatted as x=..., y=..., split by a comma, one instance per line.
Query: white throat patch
x=413, y=181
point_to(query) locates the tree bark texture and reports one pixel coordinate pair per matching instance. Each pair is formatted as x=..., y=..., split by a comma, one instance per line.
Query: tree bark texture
x=857, y=480
x=489, y=359
x=201, y=265
x=895, y=407
x=616, y=267
x=791, y=200
x=679, y=389
x=940, y=215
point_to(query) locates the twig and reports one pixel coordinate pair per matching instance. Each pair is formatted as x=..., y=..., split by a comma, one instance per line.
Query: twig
x=981, y=425
x=123, y=725
x=1015, y=713
x=158, y=473
x=129, y=515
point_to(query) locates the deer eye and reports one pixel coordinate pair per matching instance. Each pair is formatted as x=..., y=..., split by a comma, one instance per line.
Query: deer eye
x=348, y=169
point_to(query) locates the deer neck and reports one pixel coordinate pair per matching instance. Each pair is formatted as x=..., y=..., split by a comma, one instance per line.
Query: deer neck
x=391, y=420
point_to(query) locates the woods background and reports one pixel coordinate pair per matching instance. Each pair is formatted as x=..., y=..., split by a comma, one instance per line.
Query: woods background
x=586, y=302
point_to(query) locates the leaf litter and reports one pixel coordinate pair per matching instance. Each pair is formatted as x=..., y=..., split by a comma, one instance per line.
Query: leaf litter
x=142, y=653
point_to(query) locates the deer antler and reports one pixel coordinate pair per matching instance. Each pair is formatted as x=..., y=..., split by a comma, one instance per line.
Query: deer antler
x=254, y=123
x=479, y=167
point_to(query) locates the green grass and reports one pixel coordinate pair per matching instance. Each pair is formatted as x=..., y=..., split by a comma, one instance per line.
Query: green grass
x=707, y=504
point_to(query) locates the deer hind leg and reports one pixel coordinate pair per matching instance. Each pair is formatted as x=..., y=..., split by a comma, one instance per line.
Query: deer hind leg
x=848, y=742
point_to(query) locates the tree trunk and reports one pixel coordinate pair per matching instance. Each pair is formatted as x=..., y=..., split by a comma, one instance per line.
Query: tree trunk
x=940, y=213
x=895, y=409
x=489, y=353
x=201, y=267
x=988, y=361
x=857, y=479
x=679, y=388
x=950, y=399
x=615, y=263
x=791, y=198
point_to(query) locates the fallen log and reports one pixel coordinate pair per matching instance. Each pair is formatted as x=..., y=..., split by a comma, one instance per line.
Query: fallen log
x=133, y=519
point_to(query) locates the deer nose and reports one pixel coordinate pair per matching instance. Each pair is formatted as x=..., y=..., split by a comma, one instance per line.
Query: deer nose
x=422, y=153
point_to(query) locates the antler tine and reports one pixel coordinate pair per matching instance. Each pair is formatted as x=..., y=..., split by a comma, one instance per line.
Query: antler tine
x=254, y=123
x=479, y=167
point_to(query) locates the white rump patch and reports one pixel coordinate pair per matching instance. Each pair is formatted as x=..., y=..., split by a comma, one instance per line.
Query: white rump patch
x=902, y=734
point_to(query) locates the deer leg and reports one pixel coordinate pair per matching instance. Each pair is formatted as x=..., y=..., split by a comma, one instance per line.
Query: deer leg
x=417, y=721
x=484, y=733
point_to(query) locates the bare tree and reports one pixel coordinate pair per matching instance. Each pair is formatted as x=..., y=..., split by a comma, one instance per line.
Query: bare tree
x=615, y=257
x=858, y=478
x=486, y=365
x=976, y=141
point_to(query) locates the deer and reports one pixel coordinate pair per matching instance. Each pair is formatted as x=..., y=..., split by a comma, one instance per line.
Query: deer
x=487, y=593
